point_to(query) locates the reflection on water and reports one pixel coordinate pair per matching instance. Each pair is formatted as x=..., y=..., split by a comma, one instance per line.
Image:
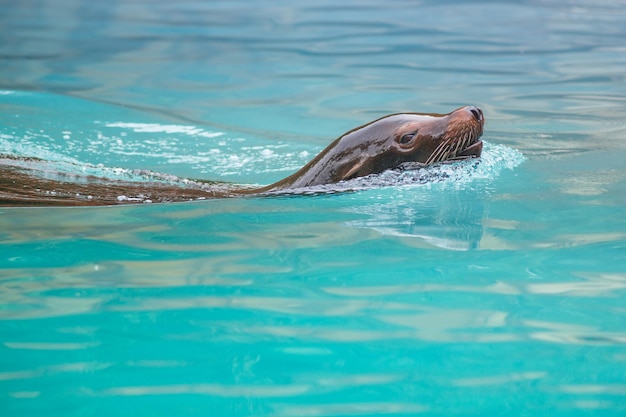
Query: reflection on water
x=448, y=208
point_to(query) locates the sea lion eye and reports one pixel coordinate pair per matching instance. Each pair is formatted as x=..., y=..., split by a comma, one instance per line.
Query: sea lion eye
x=404, y=139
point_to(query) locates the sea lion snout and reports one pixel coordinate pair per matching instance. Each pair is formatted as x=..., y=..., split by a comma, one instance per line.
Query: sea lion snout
x=476, y=112
x=470, y=114
x=462, y=137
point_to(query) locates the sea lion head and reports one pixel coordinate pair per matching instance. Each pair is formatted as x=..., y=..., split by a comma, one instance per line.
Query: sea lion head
x=391, y=141
x=431, y=138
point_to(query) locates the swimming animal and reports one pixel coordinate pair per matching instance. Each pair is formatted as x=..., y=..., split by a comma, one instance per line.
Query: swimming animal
x=417, y=139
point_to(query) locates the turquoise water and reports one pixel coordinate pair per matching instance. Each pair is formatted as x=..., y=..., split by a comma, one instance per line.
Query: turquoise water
x=497, y=289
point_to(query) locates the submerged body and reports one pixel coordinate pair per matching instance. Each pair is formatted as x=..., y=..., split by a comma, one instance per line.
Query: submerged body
x=386, y=143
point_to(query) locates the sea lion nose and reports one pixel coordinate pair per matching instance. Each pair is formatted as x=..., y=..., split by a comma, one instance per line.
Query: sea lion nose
x=476, y=112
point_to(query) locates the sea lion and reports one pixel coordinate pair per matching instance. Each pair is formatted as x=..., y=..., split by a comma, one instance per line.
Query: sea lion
x=386, y=143
x=389, y=142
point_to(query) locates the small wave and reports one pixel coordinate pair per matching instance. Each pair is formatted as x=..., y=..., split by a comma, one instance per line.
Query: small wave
x=160, y=128
x=205, y=152
x=71, y=168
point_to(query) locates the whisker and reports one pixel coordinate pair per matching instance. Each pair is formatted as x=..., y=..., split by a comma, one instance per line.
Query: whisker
x=434, y=153
x=434, y=156
x=441, y=153
x=460, y=144
x=449, y=149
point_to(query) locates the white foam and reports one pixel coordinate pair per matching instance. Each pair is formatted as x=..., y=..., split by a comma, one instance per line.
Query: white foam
x=169, y=129
x=493, y=160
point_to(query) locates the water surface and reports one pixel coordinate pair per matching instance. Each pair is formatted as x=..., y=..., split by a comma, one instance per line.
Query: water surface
x=498, y=288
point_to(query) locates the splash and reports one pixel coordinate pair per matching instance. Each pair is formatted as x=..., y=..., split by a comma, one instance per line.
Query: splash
x=493, y=160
